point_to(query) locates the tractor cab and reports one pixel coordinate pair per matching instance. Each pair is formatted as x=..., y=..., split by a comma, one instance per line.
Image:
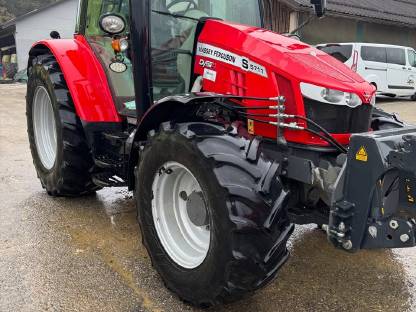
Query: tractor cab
x=172, y=26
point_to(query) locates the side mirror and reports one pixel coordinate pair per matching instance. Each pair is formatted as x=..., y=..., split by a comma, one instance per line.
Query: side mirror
x=55, y=35
x=320, y=7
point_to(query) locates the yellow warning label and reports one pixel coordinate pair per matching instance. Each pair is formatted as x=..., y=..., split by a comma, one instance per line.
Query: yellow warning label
x=362, y=154
x=250, y=126
x=410, y=197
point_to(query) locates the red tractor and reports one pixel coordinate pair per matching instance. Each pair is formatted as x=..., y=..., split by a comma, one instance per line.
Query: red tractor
x=228, y=134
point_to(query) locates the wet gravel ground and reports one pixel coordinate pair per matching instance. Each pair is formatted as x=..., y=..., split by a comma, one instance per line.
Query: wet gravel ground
x=85, y=254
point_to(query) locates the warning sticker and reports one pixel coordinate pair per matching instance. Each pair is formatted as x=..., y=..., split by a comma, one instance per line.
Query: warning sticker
x=362, y=154
x=207, y=50
x=210, y=74
x=409, y=192
x=250, y=126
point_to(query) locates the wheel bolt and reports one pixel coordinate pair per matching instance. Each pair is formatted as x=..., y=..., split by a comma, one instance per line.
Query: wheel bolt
x=183, y=196
x=404, y=238
x=394, y=224
x=347, y=245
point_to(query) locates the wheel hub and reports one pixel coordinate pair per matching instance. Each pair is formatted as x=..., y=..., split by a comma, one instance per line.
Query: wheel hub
x=181, y=220
x=44, y=127
x=197, y=210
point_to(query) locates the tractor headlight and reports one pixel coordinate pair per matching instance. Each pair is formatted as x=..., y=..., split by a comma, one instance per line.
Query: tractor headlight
x=112, y=24
x=330, y=96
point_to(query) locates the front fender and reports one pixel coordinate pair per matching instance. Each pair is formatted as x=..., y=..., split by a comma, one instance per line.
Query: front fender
x=84, y=75
x=175, y=109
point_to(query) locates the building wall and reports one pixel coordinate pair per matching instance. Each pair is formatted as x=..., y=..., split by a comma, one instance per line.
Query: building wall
x=61, y=17
x=277, y=16
x=339, y=29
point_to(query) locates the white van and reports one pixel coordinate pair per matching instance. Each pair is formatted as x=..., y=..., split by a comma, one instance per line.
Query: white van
x=391, y=69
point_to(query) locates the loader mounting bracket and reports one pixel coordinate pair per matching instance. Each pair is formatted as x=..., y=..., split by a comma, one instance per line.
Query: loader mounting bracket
x=374, y=201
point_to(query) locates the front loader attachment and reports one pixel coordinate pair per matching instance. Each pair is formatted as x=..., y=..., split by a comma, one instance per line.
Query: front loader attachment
x=374, y=201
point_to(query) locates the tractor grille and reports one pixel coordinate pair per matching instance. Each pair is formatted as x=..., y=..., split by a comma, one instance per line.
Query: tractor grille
x=339, y=119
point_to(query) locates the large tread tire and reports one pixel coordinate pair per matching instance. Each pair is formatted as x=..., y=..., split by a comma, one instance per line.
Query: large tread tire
x=71, y=174
x=247, y=203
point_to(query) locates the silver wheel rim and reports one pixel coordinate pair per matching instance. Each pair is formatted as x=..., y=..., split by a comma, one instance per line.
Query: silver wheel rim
x=186, y=243
x=44, y=127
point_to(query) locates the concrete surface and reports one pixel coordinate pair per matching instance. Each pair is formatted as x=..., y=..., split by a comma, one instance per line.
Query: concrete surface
x=85, y=254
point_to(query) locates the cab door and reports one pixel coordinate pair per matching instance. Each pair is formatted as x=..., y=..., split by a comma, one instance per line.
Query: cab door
x=121, y=83
x=398, y=76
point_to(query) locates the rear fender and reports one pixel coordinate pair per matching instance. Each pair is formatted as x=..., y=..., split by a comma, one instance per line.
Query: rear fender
x=84, y=75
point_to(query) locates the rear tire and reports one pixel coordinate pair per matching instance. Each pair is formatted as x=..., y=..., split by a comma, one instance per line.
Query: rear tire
x=66, y=170
x=246, y=205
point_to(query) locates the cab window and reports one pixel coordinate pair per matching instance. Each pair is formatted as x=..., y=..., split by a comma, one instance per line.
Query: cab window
x=97, y=8
x=173, y=26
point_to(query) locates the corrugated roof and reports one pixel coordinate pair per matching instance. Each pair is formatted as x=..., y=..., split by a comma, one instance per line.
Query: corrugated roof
x=391, y=11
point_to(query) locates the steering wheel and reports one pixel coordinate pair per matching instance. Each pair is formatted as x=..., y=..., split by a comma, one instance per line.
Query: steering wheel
x=175, y=2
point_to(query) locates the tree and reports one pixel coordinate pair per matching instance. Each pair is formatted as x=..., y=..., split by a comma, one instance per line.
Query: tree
x=20, y=7
x=5, y=15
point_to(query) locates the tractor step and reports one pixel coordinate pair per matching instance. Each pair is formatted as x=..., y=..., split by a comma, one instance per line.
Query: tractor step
x=107, y=179
x=109, y=164
x=116, y=138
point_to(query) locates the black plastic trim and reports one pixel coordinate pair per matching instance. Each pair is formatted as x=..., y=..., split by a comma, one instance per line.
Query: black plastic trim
x=401, y=87
x=376, y=69
x=141, y=58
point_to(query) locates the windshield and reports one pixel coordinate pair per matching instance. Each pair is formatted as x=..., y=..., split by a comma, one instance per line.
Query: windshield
x=239, y=11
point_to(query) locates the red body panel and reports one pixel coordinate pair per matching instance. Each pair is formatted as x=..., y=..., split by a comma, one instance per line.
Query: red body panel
x=270, y=65
x=287, y=63
x=85, y=78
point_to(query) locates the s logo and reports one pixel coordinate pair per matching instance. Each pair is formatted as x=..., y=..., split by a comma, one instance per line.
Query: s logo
x=245, y=64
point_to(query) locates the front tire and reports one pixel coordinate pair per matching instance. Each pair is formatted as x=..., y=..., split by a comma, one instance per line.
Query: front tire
x=245, y=203
x=60, y=152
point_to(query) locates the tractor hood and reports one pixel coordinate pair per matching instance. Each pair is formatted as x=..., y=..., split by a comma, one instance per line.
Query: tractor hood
x=269, y=53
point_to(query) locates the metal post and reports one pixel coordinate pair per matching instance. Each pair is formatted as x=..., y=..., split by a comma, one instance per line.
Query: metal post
x=281, y=100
